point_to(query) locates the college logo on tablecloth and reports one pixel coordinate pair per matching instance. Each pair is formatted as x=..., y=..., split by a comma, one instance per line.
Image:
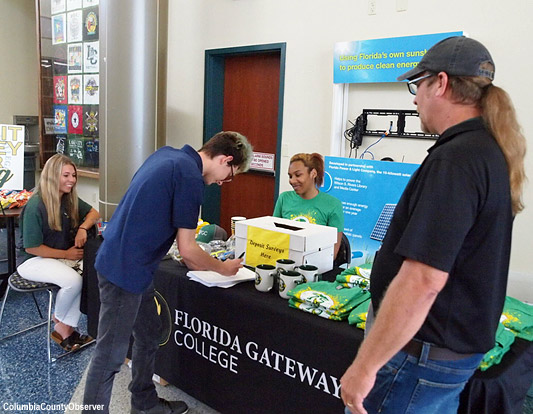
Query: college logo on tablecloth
x=164, y=314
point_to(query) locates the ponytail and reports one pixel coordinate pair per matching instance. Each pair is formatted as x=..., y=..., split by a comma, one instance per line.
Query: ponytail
x=500, y=116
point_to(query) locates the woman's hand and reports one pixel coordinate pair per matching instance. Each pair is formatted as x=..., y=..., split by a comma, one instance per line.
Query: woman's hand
x=74, y=253
x=81, y=238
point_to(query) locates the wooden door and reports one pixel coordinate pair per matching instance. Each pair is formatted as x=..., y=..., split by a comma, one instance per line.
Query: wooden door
x=251, y=99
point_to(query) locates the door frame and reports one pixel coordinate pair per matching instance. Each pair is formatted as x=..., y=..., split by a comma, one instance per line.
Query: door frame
x=214, y=110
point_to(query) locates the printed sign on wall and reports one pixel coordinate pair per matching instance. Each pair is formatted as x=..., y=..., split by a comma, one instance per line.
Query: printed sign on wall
x=57, y=6
x=381, y=60
x=91, y=85
x=74, y=26
x=60, y=89
x=12, y=157
x=59, y=33
x=74, y=89
x=75, y=58
x=369, y=191
x=75, y=119
x=91, y=24
x=90, y=120
x=90, y=57
x=60, y=119
x=263, y=161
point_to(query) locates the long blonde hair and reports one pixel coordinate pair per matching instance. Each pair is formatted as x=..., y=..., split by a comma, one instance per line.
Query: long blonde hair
x=500, y=116
x=48, y=190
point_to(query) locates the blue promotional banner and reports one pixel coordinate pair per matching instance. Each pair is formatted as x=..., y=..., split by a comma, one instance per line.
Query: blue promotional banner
x=369, y=191
x=381, y=60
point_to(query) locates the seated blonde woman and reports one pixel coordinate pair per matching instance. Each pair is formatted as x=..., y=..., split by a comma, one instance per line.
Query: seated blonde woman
x=306, y=202
x=54, y=228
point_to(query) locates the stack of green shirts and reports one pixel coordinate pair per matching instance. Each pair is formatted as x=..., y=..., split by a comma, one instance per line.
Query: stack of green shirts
x=504, y=340
x=357, y=276
x=516, y=321
x=518, y=317
x=358, y=314
x=330, y=300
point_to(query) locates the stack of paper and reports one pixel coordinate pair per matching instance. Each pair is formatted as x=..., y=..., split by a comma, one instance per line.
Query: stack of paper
x=214, y=279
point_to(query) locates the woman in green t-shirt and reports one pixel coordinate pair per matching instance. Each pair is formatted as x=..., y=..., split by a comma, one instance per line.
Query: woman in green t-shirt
x=54, y=229
x=306, y=202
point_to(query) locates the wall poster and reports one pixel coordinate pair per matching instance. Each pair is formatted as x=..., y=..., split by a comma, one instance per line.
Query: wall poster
x=12, y=157
x=369, y=191
x=59, y=34
x=74, y=25
x=91, y=85
x=75, y=58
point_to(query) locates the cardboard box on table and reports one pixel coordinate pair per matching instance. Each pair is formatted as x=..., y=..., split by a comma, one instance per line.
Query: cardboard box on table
x=309, y=243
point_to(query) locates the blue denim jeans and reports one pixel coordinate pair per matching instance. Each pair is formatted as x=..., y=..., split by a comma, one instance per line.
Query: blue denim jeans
x=414, y=385
x=122, y=314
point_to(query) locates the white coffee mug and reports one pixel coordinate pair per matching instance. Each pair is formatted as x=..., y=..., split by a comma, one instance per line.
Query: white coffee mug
x=310, y=272
x=264, y=277
x=285, y=264
x=288, y=279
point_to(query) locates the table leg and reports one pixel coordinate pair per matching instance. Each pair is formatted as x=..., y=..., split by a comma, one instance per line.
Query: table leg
x=11, y=254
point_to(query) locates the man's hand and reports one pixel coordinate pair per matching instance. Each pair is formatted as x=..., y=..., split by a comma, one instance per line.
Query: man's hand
x=402, y=312
x=356, y=384
x=196, y=259
x=231, y=267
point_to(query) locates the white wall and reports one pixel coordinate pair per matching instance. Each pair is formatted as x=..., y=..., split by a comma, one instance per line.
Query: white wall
x=19, y=67
x=311, y=28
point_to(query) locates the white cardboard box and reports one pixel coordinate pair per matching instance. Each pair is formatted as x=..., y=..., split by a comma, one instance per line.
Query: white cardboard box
x=309, y=243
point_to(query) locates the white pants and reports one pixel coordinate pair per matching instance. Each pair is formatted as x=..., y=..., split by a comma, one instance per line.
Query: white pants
x=57, y=271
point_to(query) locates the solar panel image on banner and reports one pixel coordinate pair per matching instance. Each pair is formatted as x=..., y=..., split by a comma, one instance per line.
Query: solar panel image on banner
x=383, y=222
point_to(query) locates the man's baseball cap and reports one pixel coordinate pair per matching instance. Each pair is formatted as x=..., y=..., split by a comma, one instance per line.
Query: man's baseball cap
x=457, y=56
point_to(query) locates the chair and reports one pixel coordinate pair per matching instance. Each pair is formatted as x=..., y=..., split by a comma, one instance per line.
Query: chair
x=345, y=252
x=19, y=284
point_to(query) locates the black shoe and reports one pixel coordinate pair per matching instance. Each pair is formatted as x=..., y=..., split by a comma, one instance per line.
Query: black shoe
x=164, y=407
x=81, y=339
x=67, y=344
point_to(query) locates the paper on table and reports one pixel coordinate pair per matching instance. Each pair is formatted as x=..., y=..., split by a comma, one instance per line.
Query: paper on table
x=214, y=279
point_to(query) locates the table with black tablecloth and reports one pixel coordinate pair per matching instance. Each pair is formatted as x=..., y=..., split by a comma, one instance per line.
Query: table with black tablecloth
x=240, y=350
x=243, y=351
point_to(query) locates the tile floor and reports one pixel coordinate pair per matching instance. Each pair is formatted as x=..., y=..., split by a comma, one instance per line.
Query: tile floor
x=26, y=377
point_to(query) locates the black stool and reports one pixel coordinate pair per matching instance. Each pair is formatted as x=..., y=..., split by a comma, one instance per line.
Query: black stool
x=19, y=284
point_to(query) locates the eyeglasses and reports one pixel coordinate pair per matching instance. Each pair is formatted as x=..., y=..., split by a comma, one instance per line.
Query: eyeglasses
x=230, y=176
x=412, y=85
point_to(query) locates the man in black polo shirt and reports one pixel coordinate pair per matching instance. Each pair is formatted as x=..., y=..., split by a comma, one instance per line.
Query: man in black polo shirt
x=439, y=280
